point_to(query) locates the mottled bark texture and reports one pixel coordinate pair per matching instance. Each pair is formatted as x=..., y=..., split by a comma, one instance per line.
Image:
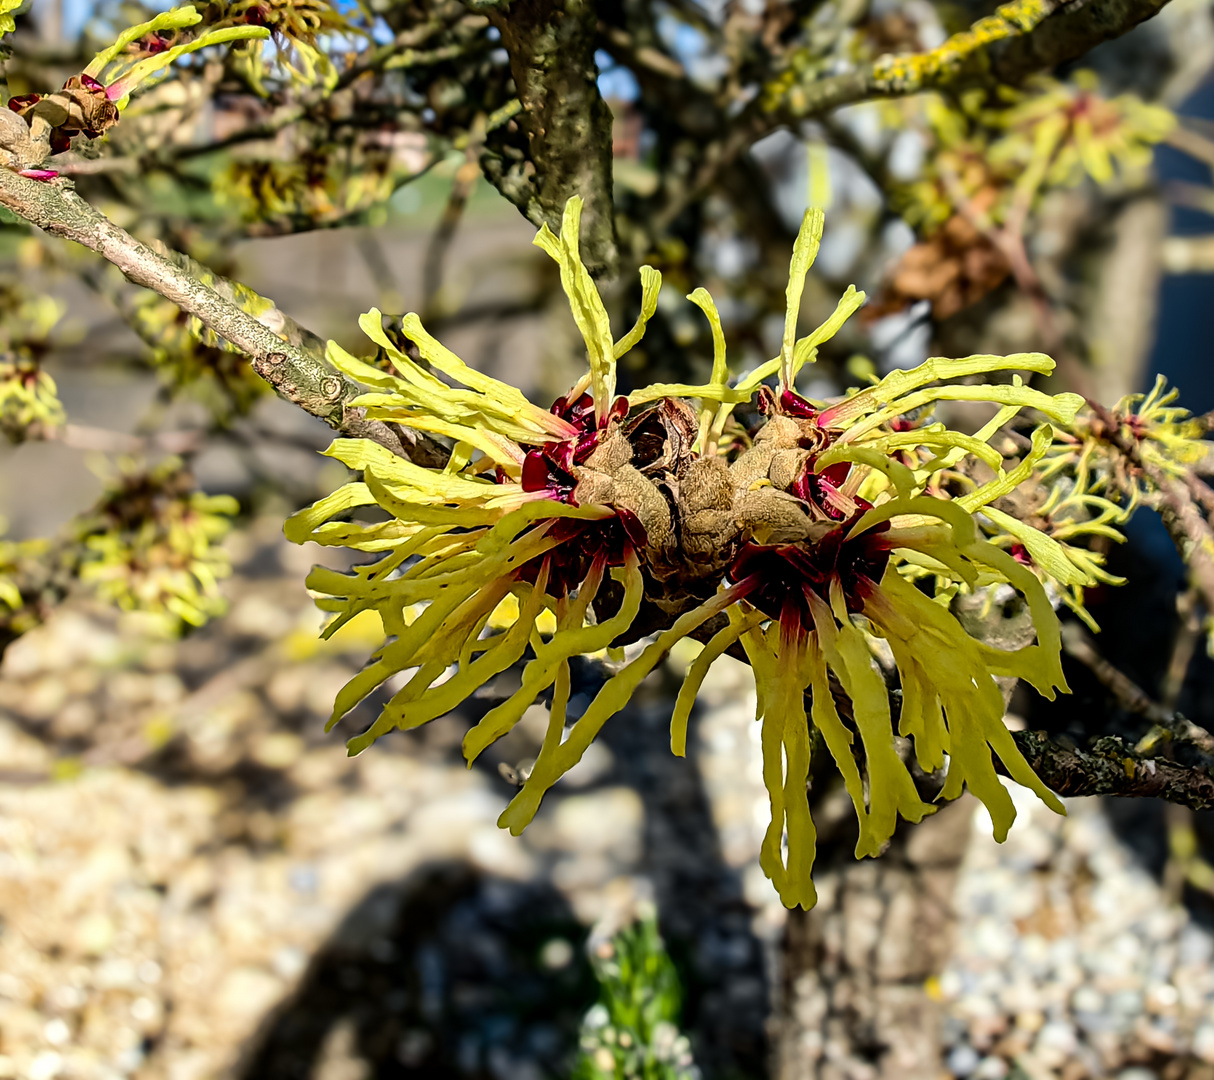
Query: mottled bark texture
x=565, y=119
x=1109, y=767
x=1020, y=38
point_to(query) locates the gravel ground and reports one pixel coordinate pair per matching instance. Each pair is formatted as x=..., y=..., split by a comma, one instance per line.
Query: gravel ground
x=190, y=867
x=196, y=882
x=1071, y=960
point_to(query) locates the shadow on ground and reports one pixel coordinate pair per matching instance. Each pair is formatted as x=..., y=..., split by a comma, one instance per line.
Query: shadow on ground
x=453, y=973
x=447, y=973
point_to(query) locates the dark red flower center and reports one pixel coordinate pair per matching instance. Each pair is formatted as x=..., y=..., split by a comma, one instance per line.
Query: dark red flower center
x=786, y=575
x=551, y=469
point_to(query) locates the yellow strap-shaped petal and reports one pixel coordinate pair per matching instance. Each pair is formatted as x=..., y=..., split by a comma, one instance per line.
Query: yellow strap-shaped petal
x=612, y=697
x=585, y=302
x=696, y=672
x=898, y=384
x=651, y=284
x=805, y=250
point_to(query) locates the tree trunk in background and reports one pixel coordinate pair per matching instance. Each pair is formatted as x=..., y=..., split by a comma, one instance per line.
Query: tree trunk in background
x=1128, y=262
x=856, y=990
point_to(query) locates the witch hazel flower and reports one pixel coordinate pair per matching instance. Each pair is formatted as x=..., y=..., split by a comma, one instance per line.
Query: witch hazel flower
x=90, y=103
x=554, y=533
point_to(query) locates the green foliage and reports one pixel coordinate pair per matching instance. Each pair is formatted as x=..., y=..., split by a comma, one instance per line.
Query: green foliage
x=632, y=1031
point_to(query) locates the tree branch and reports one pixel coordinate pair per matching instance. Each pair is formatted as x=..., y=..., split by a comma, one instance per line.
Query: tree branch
x=296, y=369
x=1021, y=38
x=1109, y=767
x=1077, y=642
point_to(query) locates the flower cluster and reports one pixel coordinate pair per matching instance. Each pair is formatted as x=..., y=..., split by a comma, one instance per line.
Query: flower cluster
x=1048, y=526
x=1052, y=134
x=293, y=20
x=284, y=184
x=989, y=162
x=271, y=189
x=1040, y=516
x=1166, y=439
x=1067, y=131
x=28, y=395
x=799, y=550
x=1092, y=477
x=150, y=545
x=294, y=26
x=90, y=103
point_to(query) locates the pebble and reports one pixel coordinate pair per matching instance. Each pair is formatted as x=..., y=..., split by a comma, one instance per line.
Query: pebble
x=962, y=1060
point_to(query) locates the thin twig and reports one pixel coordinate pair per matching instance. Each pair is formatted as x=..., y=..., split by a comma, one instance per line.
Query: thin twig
x=86, y=437
x=462, y=187
x=296, y=374
x=1077, y=643
x=1184, y=646
x=1191, y=142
